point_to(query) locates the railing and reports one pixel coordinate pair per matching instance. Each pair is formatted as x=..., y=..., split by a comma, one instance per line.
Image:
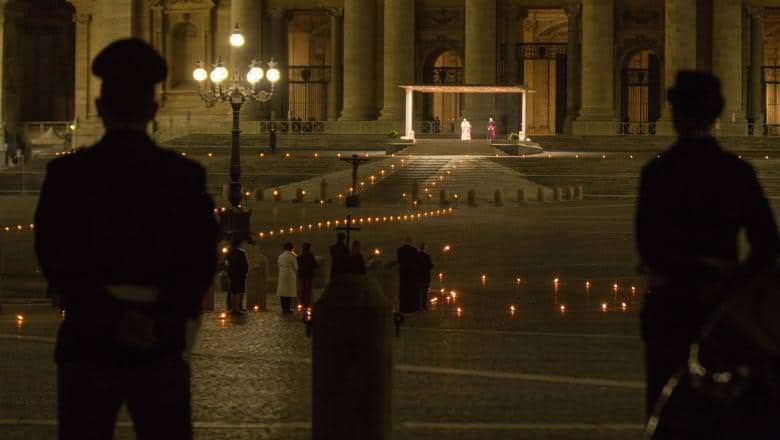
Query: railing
x=771, y=130
x=636, y=128
x=294, y=127
x=31, y=129
x=447, y=128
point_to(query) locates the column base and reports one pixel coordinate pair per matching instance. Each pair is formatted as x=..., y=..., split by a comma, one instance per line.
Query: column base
x=391, y=114
x=598, y=122
x=731, y=124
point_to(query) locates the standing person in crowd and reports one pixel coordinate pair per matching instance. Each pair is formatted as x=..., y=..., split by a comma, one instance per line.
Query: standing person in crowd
x=491, y=129
x=287, y=286
x=237, y=266
x=693, y=200
x=339, y=256
x=426, y=265
x=356, y=262
x=307, y=266
x=409, y=273
x=129, y=281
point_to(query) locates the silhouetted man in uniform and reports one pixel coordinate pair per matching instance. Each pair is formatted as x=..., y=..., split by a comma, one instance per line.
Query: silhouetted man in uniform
x=693, y=200
x=409, y=277
x=126, y=234
x=339, y=256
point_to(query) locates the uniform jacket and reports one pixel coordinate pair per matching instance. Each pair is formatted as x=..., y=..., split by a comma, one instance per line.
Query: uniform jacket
x=124, y=212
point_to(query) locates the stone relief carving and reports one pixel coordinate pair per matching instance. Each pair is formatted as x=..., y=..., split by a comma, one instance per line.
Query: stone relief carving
x=632, y=14
x=442, y=17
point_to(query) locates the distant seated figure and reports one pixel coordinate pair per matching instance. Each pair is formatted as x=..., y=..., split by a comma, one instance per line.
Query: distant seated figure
x=465, y=130
x=126, y=235
x=693, y=200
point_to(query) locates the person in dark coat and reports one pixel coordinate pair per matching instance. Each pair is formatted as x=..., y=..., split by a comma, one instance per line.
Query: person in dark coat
x=409, y=273
x=307, y=267
x=426, y=265
x=125, y=233
x=339, y=256
x=237, y=266
x=693, y=200
x=356, y=263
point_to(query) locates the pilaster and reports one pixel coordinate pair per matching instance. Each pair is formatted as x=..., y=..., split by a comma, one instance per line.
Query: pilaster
x=399, y=33
x=359, y=60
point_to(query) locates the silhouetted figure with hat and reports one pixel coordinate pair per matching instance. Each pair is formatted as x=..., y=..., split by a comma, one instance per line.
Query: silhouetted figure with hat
x=126, y=234
x=339, y=256
x=693, y=200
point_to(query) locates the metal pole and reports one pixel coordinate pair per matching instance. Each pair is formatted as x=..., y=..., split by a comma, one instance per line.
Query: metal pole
x=235, y=154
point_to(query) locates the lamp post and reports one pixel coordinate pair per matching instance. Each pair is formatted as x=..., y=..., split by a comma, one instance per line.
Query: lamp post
x=235, y=221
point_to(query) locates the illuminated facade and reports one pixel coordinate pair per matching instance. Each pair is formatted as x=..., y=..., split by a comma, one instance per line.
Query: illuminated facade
x=598, y=67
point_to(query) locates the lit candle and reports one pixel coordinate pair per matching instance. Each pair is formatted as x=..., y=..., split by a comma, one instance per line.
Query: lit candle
x=19, y=318
x=603, y=307
x=446, y=247
x=377, y=251
x=453, y=294
x=256, y=308
x=623, y=306
x=512, y=309
x=222, y=315
x=459, y=311
x=587, y=284
x=563, y=308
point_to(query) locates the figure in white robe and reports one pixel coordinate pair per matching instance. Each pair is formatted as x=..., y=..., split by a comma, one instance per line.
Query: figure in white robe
x=465, y=130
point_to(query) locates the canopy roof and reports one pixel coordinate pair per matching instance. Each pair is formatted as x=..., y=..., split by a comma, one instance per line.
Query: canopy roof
x=464, y=88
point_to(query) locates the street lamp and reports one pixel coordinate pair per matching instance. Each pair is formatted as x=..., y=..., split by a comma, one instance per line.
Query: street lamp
x=237, y=91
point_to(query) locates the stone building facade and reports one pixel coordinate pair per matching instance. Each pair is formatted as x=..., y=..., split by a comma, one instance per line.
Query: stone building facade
x=597, y=67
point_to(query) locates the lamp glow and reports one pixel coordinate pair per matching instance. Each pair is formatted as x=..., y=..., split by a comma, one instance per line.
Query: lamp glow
x=236, y=39
x=200, y=74
x=255, y=74
x=273, y=73
x=219, y=74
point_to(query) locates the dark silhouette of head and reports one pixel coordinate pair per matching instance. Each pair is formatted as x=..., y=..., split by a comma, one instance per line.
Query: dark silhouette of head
x=288, y=246
x=129, y=69
x=696, y=101
x=340, y=237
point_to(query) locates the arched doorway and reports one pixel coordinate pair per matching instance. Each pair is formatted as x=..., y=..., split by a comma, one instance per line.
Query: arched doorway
x=309, y=57
x=38, y=61
x=185, y=52
x=441, y=111
x=640, y=97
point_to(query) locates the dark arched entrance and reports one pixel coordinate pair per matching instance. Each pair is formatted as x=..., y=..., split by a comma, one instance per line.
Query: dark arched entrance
x=445, y=67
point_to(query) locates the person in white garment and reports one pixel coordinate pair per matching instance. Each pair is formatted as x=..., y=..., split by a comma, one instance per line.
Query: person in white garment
x=465, y=130
x=287, y=285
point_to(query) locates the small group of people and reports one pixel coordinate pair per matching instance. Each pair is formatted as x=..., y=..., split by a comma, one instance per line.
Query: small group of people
x=296, y=276
x=465, y=129
x=414, y=268
x=346, y=260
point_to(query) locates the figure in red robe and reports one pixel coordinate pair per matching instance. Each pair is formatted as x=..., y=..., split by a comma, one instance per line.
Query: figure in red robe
x=491, y=128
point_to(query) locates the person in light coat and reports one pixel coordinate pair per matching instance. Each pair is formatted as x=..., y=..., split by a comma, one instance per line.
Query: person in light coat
x=287, y=285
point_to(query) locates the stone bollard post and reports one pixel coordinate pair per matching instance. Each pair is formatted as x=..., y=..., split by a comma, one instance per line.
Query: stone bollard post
x=300, y=195
x=557, y=194
x=472, y=198
x=259, y=195
x=277, y=195
x=498, y=197
x=522, y=197
x=415, y=192
x=540, y=195
x=352, y=361
x=579, y=193
x=324, y=190
x=444, y=197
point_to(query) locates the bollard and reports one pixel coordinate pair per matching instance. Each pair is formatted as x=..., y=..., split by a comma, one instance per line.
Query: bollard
x=472, y=198
x=277, y=195
x=415, y=192
x=522, y=197
x=540, y=195
x=498, y=197
x=259, y=195
x=568, y=193
x=557, y=194
x=352, y=362
x=324, y=190
x=579, y=193
x=444, y=197
x=300, y=195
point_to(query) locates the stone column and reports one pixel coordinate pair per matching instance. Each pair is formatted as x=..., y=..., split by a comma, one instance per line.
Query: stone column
x=359, y=60
x=279, y=54
x=756, y=75
x=480, y=66
x=573, y=13
x=727, y=63
x=116, y=21
x=679, y=50
x=2, y=85
x=335, y=86
x=597, y=115
x=398, y=56
x=512, y=66
x=247, y=15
